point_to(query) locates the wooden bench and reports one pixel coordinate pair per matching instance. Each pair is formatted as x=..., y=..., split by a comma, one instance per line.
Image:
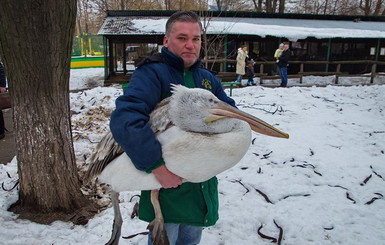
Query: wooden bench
x=231, y=86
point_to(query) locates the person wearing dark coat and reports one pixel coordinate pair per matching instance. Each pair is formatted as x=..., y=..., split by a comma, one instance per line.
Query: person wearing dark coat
x=3, y=85
x=250, y=72
x=283, y=61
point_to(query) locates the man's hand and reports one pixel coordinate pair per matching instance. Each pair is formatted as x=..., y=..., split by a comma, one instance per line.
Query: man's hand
x=166, y=178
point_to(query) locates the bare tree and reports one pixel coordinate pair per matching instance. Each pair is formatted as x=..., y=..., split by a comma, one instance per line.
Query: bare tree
x=365, y=5
x=257, y=5
x=213, y=44
x=378, y=7
x=35, y=45
x=270, y=6
x=281, y=6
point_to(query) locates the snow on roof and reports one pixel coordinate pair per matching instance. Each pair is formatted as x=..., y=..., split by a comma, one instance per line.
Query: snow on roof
x=292, y=29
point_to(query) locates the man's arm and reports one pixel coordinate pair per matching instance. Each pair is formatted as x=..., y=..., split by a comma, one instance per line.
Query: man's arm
x=130, y=126
x=130, y=120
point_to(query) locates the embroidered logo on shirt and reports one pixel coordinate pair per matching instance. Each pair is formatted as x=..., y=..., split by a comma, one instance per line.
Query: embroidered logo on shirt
x=207, y=84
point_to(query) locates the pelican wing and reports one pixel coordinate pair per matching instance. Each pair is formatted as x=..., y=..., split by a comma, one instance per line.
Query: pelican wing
x=159, y=118
x=106, y=151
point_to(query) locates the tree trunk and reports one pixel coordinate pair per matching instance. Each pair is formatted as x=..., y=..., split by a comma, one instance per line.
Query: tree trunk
x=378, y=8
x=268, y=6
x=366, y=7
x=281, y=6
x=326, y=6
x=219, y=4
x=36, y=44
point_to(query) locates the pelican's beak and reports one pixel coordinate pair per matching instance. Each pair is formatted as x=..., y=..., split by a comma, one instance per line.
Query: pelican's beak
x=224, y=110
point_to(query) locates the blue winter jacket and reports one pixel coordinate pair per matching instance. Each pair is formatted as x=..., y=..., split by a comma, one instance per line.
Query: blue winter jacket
x=149, y=84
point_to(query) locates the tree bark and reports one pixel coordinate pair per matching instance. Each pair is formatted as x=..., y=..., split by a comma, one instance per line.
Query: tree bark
x=281, y=6
x=268, y=6
x=36, y=45
x=366, y=6
x=378, y=8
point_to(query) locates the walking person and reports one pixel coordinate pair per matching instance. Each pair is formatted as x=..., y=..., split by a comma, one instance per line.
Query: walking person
x=241, y=63
x=283, y=61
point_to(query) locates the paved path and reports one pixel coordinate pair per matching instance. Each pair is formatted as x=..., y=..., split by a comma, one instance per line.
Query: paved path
x=7, y=145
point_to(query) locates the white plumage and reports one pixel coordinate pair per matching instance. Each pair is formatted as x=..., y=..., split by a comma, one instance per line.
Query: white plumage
x=200, y=137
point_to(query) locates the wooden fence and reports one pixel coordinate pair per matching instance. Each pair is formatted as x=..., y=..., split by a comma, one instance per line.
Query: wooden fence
x=263, y=75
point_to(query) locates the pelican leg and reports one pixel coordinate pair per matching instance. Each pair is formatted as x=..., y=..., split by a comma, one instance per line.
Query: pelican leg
x=158, y=232
x=117, y=225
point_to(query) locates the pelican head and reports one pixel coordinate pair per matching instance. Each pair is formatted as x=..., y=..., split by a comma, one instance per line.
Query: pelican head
x=198, y=110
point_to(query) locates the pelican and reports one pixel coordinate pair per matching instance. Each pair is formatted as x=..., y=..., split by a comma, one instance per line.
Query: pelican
x=201, y=137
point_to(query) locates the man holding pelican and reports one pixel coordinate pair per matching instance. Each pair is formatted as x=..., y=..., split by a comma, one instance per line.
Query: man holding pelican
x=186, y=207
x=188, y=126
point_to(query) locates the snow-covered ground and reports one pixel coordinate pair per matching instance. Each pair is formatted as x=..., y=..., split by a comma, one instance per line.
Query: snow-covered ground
x=324, y=185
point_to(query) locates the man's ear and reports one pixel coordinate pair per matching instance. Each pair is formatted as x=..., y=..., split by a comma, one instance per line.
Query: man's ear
x=165, y=41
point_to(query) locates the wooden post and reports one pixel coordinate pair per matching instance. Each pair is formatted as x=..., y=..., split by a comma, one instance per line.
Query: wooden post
x=374, y=66
x=225, y=55
x=328, y=54
x=105, y=52
x=124, y=58
x=373, y=73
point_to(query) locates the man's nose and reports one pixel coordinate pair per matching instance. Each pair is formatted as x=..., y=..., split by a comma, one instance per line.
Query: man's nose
x=189, y=43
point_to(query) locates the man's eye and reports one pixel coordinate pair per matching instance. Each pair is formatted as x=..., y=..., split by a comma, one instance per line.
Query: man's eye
x=182, y=38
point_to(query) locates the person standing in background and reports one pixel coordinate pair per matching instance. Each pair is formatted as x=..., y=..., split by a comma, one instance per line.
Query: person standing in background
x=250, y=72
x=3, y=89
x=283, y=61
x=241, y=63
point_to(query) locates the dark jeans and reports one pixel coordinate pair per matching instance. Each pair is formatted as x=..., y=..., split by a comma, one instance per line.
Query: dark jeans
x=181, y=234
x=251, y=80
x=283, y=74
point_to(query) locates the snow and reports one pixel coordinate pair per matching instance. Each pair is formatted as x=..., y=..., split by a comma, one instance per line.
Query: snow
x=318, y=184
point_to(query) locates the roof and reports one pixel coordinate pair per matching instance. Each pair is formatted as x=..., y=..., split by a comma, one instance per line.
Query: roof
x=292, y=27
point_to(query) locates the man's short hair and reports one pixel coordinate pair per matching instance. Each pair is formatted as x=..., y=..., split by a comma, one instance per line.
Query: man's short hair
x=183, y=16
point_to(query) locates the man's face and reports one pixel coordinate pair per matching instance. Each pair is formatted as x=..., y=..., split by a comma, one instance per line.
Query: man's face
x=286, y=46
x=184, y=40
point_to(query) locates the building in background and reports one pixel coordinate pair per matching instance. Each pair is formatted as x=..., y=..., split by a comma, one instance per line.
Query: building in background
x=319, y=43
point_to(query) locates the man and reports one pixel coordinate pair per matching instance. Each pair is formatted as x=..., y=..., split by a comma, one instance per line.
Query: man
x=186, y=207
x=2, y=90
x=283, y=61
